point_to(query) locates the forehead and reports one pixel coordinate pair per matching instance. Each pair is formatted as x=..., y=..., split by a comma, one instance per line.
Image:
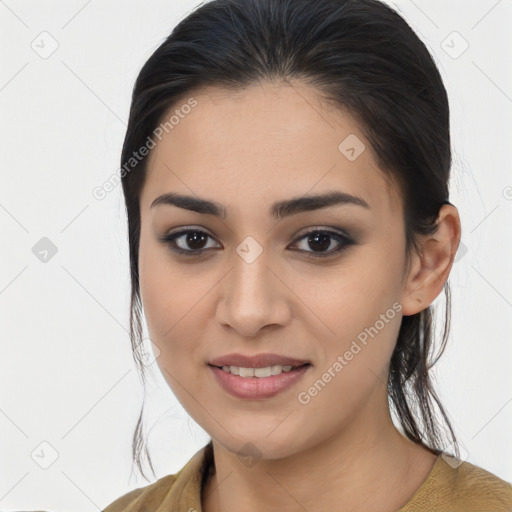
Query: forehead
x=263, y=143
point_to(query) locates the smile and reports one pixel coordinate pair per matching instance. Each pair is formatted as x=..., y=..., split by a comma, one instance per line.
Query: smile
x=258, y=383
x=266, y=371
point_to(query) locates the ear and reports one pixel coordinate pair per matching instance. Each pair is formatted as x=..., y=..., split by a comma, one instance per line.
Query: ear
x=429, y=270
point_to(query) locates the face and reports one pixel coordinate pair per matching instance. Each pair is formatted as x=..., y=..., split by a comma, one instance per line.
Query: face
x=321, y=285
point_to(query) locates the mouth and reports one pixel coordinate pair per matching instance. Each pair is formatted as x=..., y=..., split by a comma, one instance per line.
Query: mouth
x=261, y=372
x=259, y=383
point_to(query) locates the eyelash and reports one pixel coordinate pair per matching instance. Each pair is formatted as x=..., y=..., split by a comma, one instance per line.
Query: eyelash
x=344, y=240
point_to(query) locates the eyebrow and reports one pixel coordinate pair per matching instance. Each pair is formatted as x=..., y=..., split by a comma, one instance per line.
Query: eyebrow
x=278, y=210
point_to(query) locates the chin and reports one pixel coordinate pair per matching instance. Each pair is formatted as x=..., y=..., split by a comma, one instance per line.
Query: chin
x=258, y=445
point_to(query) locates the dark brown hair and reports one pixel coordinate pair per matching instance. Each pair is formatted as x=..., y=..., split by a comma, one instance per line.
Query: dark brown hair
x=363, y=57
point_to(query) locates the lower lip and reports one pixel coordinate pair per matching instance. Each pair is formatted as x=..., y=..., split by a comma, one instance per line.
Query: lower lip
x=257, y=388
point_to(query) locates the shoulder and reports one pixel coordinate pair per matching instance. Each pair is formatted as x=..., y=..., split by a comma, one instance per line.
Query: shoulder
x=459, y=486
x=180, y=491
x=149, y=495
x=455, y=486
x=485, y=490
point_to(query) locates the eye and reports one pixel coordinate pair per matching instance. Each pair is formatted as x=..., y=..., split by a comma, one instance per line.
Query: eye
x=190, y=242
x=322, y=239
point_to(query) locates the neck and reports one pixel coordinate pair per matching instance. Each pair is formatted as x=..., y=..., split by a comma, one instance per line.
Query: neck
x=377, y=469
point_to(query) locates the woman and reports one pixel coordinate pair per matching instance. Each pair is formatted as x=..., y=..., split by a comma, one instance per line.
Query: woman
x=285, y=171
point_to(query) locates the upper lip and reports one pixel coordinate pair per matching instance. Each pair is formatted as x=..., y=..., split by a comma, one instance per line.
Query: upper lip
x=256, y=361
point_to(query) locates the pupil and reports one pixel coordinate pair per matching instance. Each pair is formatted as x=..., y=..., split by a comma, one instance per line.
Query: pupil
x=323, y=238
x=193, y=237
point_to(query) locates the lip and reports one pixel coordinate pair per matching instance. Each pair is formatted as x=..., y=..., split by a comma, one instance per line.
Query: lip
x=256, y=361
x=257, y=388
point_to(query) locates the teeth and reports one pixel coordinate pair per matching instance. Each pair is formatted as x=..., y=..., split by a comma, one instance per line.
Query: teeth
x=267, y=371
x=245, y=372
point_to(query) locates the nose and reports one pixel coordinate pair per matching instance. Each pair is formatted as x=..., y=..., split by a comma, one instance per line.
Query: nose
x=254, y=296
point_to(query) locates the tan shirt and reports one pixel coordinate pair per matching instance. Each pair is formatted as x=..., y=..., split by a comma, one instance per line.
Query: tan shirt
x=464, y=488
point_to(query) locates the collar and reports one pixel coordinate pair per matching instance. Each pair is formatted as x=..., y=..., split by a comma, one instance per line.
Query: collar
x=185, y=493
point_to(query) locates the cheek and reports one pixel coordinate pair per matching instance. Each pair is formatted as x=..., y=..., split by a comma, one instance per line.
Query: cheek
x=156, y=285
x=158, y=290
x=173, y=300
x=359, y=312
x=354, y=363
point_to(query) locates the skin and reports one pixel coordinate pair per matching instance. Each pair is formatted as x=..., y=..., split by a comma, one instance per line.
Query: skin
x=270, y=142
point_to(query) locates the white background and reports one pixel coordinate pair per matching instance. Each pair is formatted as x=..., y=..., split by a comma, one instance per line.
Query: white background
x=67, y=376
